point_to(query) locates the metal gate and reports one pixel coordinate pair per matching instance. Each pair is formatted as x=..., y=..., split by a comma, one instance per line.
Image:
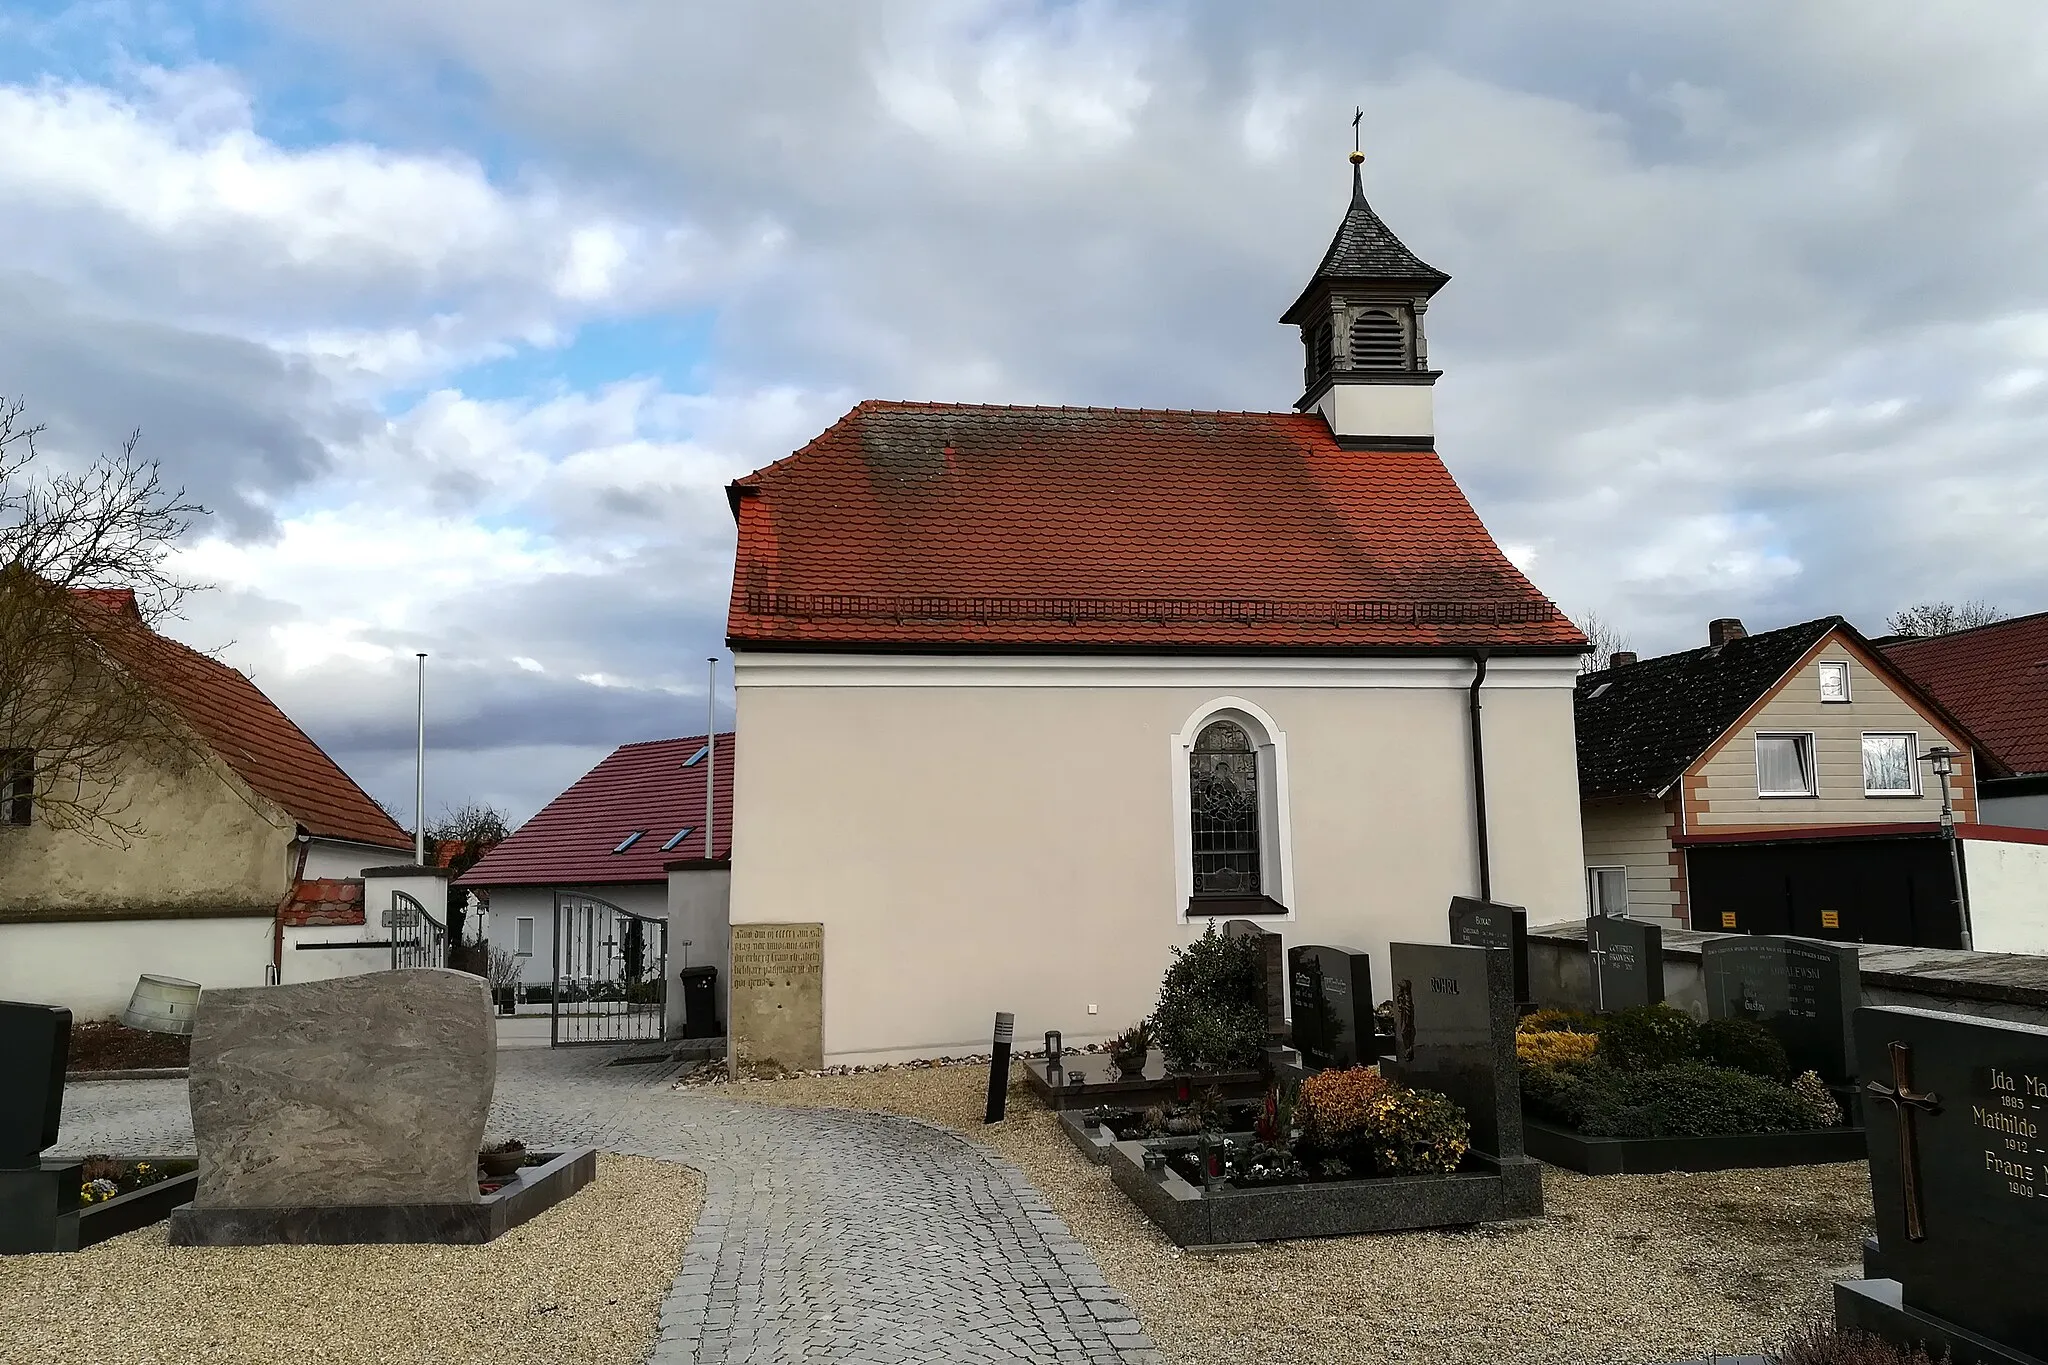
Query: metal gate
x=611, y=973
x=417, y=938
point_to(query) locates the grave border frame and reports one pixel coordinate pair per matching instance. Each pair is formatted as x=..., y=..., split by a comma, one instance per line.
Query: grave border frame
x=1598, y=1156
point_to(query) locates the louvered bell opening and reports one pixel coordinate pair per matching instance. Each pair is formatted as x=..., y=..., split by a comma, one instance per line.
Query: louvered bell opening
x=1378, y=342
x=1318, y=351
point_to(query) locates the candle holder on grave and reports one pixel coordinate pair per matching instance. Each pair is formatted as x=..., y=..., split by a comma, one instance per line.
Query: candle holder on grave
x=1077, y=1078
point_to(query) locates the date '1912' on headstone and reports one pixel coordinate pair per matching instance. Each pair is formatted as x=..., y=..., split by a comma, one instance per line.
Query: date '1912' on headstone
x=778, y=997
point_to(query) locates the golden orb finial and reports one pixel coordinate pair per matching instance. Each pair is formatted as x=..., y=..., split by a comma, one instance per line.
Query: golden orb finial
x=1357, y=158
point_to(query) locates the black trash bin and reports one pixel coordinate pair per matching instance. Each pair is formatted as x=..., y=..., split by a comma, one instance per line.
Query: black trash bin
x=700, y=1002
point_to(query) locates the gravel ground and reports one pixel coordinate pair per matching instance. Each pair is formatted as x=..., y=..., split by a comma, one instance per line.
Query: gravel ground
x=578, y=1285
x=1623, y=1270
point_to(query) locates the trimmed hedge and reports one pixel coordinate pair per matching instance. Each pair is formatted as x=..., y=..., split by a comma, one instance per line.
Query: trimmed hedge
x=1745, y=1045
x=1688, y=1099
x=1649, y=1037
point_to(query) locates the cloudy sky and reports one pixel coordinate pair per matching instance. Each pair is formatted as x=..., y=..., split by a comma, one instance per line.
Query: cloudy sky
x=460, y=314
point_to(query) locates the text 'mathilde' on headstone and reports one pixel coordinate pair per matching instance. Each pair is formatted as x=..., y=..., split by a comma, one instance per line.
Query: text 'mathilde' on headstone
x=1804, y=992
x=1956, y=1109
x=1628, y=962
x=776, y=1002
x=1272, y=975
x=1490, y=924
x=33, y=1042
x=1331, y=991
x=1454, y=1032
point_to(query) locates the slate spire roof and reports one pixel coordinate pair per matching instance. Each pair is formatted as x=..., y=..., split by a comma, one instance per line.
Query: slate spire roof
x=1364, y=251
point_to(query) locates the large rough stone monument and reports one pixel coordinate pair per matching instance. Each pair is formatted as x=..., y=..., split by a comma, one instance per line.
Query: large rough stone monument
x=361, y=1090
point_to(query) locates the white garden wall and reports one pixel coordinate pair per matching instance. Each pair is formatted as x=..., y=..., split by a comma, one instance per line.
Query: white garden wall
x=90, y=966
x=2008, y=884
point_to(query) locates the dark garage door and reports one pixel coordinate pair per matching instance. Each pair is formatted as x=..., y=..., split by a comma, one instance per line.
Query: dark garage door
x=1890, y=890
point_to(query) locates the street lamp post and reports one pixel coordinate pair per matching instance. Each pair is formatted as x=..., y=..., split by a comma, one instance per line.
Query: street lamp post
x=1942, y=760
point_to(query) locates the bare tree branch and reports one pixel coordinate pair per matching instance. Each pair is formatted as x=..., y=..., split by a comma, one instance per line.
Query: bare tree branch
x=1605, y=636
x=1942, y=618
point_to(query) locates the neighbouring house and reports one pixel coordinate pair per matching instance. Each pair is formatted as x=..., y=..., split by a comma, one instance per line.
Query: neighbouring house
x=1032, y=695
x=1995, y=679
x=258, y=844
x=1777, y=783
x=620, y=876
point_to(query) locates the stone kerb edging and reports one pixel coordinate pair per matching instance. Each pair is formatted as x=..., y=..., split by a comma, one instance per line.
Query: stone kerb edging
x=141, y=1073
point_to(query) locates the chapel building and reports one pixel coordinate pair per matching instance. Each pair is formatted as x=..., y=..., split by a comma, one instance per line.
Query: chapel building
x=1031, y=694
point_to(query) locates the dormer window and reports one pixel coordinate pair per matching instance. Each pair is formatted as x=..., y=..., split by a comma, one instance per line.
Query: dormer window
x=1378, y=341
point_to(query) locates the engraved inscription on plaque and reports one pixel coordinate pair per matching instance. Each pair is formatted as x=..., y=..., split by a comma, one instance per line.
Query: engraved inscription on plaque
x=778, y=997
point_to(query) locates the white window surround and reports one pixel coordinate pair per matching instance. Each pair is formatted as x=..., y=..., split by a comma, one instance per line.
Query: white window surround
x=522, y=936
x=1276, y=833
x=1833, y=678
x=1805, y=738
x=1606, y=877
x=1912, y=738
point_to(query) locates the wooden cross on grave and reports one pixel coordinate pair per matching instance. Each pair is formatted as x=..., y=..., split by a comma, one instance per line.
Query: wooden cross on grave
x=1901, y=1096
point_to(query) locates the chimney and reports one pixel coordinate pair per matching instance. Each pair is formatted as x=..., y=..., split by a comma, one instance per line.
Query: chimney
x=1722, y=631
x=1621, y=658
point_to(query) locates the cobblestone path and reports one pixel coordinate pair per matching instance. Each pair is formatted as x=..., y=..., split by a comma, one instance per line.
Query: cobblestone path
x=826, y=1236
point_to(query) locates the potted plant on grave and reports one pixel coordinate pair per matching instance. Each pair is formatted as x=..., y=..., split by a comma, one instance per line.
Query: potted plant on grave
x=1130, y=1049
x=502, y=1160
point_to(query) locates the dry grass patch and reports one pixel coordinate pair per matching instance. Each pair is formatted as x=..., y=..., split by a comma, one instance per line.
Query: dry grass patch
x=579, y=1285
x=1622, y=1270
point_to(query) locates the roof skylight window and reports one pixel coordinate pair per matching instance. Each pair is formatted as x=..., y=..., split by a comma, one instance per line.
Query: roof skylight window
x=685, y=832
x=1599, y=691
x=694, y=759
x=629, y=841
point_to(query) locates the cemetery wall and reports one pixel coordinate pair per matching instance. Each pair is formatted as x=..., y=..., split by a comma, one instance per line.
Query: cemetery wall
x=1009, y=840
x=2008, y=882
x=1721, y=792
x=90, y=966
x=1637, y=835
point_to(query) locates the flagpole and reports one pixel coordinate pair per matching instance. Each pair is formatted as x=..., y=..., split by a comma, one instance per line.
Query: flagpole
x=419, y=787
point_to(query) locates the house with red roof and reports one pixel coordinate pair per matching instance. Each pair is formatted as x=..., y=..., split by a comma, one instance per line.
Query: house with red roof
x=230, y=856
x=621, y=864
x=1995, y=678
x=1033, y=695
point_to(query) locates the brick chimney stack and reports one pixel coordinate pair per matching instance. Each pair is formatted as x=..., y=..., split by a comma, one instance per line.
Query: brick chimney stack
x=1722, y=631
x=1621, y=658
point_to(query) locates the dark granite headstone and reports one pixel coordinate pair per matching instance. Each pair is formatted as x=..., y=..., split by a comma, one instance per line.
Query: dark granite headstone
x=1490, y=924
x=1804, y=992
x=1957, y=1114
x=1454, y=1032
x=1628, y=962
x=1331, y=990
x=33, y=1042
x=1272, y=975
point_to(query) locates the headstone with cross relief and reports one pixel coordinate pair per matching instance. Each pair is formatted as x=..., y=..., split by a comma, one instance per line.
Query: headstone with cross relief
x=1957, y=1115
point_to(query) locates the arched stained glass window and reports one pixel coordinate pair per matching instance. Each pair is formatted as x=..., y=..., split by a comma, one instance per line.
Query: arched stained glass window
x=1223, y=789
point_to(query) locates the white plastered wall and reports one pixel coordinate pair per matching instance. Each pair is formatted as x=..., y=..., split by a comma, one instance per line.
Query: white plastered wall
x=2008, y=883
x=90, y=966
x=983, y=835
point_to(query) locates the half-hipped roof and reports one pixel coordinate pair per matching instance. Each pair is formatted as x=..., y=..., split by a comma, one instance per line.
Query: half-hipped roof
x=951, y=527
x=652, y=790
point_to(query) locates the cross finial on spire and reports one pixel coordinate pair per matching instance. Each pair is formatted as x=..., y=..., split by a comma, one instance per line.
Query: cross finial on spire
x=1357, y=117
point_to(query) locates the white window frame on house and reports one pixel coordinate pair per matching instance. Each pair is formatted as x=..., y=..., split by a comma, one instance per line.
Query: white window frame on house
x=17, y=787
x=1912, y=738
x=1594, y=875
x=522, y=936
x=1812, y=765
x=1838, y=668
x=1276, y=825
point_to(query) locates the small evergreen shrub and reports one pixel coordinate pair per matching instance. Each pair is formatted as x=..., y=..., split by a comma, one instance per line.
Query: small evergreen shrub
x=1823, y=1110
x=1210, y=1016
x=1555, y=1049
x=1745, y=1045
x=1334, y=1108
x=1416, y=1132
x=1556, y=1021
x=1690, y=1099
x=1649, y=1037
x=1819, y=1343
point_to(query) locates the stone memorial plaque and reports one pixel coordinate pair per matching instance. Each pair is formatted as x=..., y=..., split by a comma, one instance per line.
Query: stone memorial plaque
x=1454, y=1032
x=776, y=1008
x=1331, y=991
x=1272, y=975
x=1628, y=962
x=367, y=1089
x=1804, y=992
x=1490, y=924
x=1957, y=1114
x=34, y=1040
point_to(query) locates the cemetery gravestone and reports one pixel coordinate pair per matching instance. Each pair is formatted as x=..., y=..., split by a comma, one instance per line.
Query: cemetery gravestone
x=1628, y=962
x=1331, y=990
x=1956, y=1109
x=776, y=1009
x=1489, y=924
x=33, y=1042
x=1804, y=992
x=1454, y=1032
x=1272, y=975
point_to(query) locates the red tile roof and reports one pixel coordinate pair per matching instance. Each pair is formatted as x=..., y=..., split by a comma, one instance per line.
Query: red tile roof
x=259, y=742
x=641, y=787
x=1994, y=679
x=321, y=901
x=956, y=526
